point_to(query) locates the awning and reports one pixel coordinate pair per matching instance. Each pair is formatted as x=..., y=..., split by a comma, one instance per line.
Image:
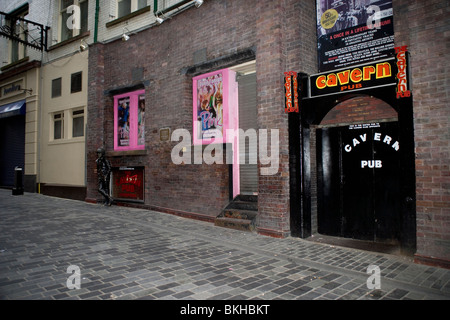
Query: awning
x=13, y=109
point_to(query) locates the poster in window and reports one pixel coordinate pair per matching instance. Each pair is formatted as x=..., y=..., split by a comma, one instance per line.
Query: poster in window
x=210, y=107
x=123, y=123
x=141, y=120
x=128, y=184
x=352, y=32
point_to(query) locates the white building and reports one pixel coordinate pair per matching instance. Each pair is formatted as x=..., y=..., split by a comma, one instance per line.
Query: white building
x=43, y=95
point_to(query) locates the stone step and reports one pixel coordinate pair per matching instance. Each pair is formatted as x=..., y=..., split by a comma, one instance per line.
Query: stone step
x=247, y=198
x=243, y=205
x=237, y=219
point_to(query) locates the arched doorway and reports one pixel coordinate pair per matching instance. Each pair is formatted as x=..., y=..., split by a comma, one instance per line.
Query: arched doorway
x=358, y=188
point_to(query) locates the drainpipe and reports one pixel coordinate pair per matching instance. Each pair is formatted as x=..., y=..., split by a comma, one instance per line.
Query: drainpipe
x=97, y=9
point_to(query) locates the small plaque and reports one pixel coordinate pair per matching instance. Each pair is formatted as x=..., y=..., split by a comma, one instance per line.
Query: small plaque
x=164, y=134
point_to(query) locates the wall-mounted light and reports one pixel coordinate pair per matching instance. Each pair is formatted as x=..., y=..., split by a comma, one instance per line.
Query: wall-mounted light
x=160, y=18
x=125, y=37
x=83, y=45
x=198, y=3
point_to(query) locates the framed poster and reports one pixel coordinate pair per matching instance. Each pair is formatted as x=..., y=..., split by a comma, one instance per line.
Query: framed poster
x=129, y=121
x=352, y=32
x=123, y=122
x=212, y=94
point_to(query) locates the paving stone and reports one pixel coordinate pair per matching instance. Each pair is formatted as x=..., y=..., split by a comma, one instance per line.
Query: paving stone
x=127, y=253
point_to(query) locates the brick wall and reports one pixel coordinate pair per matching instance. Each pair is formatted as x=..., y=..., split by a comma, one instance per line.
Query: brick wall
x=423, y=27
x=360, y=110
x=162, y=53
x=95, y=110
x=222, y=29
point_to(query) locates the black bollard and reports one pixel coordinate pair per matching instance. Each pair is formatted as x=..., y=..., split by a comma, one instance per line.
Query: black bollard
x=18, y=184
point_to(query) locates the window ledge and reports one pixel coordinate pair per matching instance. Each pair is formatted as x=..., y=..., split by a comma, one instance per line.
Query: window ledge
x=73, y=39
x=128, y=16
x=67, y=141
x=126, y=153
x=15, y=63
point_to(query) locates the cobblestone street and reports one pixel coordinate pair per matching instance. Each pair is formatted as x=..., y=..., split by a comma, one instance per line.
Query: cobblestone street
x=128, y=254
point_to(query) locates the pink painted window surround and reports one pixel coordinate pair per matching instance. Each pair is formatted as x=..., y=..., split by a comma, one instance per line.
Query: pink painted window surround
x=215, y=110
x=129, y=121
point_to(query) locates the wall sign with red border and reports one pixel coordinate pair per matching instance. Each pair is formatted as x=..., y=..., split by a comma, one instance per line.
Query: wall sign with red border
x=128, y=184
x=402, y=74
x=291, y=90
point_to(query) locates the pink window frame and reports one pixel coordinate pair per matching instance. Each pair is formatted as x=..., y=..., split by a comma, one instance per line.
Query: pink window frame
x=230, y=118
x=134, y=103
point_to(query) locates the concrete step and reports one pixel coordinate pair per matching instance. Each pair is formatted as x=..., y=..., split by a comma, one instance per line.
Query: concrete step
x=243, y=205
x=239, y=214
x=237, y=219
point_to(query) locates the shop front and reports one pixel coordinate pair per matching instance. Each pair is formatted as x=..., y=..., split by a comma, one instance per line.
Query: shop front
x=357, y=165
x=12, y=140
x=354, y=164
x=18, y=125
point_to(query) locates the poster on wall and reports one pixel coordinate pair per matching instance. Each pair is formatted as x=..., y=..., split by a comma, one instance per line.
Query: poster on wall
x=123, y=123
x=209, y=106
x=352, y=32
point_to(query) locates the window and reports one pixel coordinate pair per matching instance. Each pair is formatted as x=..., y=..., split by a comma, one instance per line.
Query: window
x=129, y=121
x=125, y=7
x=20, y=29
x=69, y=30
x=56, y=88
x=75, y=82
x=77, y=123
x=58, y=126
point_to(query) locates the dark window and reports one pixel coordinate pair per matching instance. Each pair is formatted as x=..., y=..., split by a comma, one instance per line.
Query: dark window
x=75, y=82
x=84, y=16
x=124, y=7
x=78, y=123
x=58, y=126
x=56, y=88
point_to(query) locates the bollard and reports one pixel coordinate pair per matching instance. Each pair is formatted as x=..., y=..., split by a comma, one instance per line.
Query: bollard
x=18, y=185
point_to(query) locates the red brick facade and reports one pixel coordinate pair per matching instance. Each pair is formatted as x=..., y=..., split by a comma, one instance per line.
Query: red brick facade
x=224, y=29
x=280, y=36
x=423, y=27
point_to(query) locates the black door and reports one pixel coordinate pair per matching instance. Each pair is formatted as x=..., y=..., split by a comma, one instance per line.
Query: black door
x=358, y=181
x=12, y=148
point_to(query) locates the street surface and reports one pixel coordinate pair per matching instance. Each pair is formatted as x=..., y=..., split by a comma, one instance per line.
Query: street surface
x=58, y=249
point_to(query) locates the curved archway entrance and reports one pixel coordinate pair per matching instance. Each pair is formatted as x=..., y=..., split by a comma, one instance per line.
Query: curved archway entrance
x=358, y=182
x=352, y=167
